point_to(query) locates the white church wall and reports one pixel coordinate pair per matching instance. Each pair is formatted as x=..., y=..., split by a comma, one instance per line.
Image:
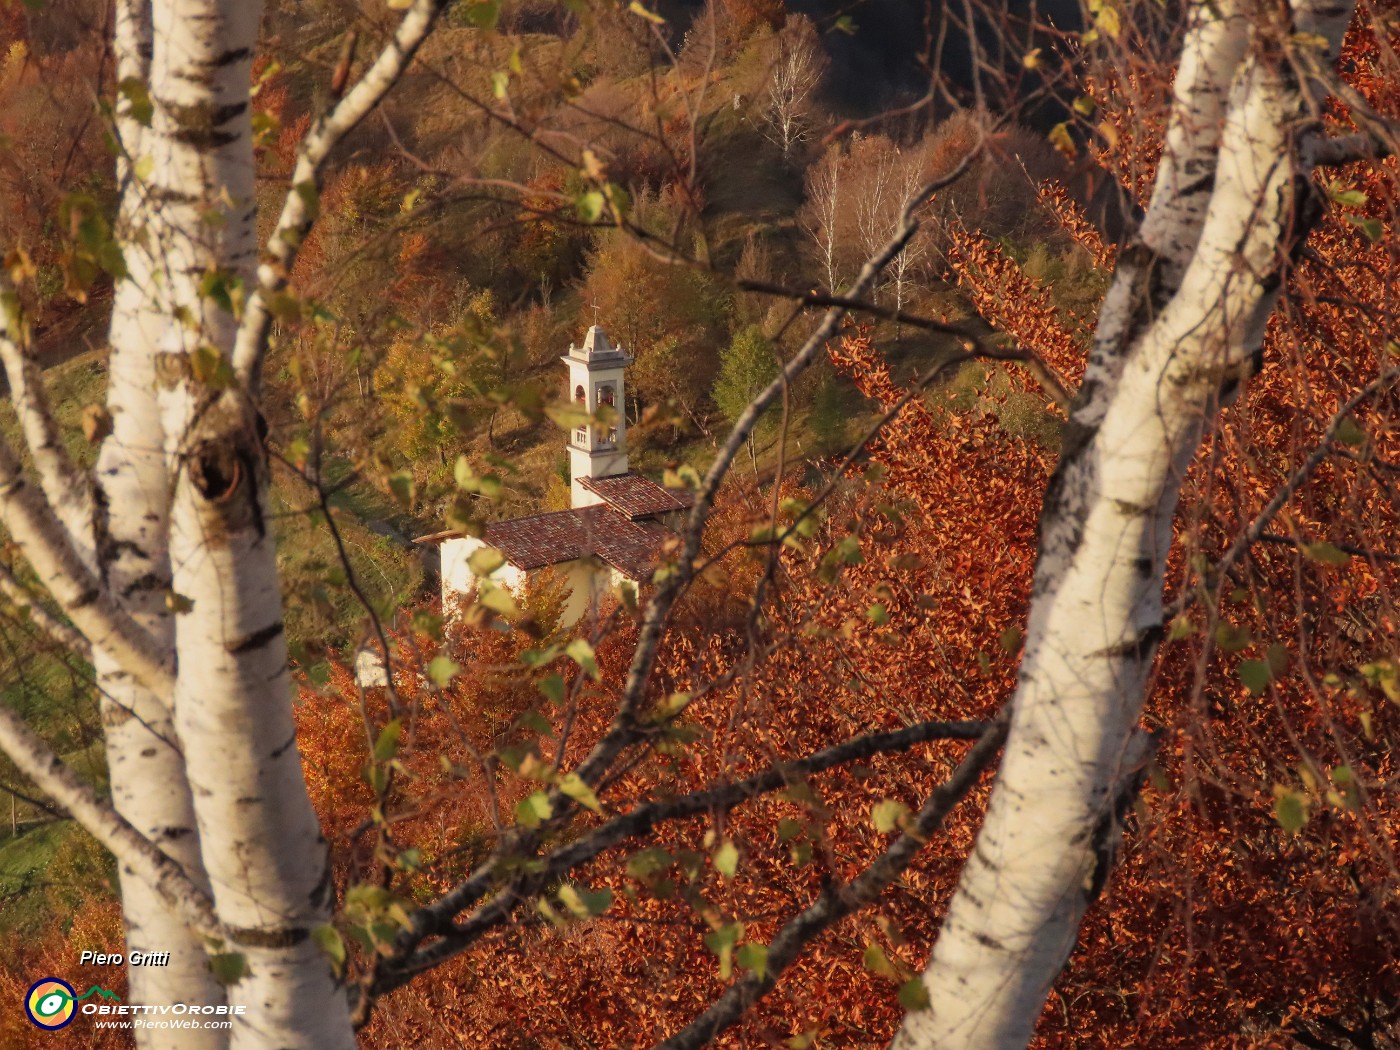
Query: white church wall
x=458, y=579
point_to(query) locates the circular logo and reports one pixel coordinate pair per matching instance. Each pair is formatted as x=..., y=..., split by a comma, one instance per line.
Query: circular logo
x=50, y=1003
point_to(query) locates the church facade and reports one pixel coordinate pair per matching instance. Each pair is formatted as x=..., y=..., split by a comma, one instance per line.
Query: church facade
x=618, y=521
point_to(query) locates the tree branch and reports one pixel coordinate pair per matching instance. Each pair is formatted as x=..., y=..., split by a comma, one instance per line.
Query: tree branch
x=1265, y=517
x=67, y=489
x=638, y=823
x=299, y=209
x=60, y=632
x=33, y=758
x=32, y=523
x=838, y=902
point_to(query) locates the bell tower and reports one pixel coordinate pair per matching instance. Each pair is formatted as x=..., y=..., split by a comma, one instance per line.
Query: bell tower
x=595, y=379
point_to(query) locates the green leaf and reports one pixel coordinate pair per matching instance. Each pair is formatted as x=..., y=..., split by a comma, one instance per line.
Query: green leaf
x=328, y=938
x=387, y=746
x=577, y=789
x=1181, y=627
x=1348, y=792
x=754, y=956
x=428, y=623
x=789, y=829
x=1326, y=553
x=1062, y=140
x=583, y=902
x=1231, y=638
x=1256, y=675
x=111, y=259
x=552, y=686
x=590, y=206
x=889, y=815
x=484, y=14
x=727, y=859
x=211, y=368
x=497, y=599
x=877, y=962
x=648, y=863
x=581, y=653
x=1290, y=809
x=1348, y=433
x=310, y=198
x=638, y=9
x=722, y=942
x=228, y=967
x=404, y=488
x=913, y=995
x=533, y=810
x=1010, y=639
x=1370, y=228
x=441, y=670
x=138, y=100
x=1348, y=198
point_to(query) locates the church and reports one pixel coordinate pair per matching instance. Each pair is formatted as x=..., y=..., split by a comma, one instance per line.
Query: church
x=618, y=521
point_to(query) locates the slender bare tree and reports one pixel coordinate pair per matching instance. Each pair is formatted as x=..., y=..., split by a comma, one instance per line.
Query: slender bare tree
x=821, y=215
x=796, y=75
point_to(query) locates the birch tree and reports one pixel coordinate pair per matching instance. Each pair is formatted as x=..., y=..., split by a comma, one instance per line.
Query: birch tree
x=1177, y=335
x=823, y=211
x=163, y=560
x=797, y=72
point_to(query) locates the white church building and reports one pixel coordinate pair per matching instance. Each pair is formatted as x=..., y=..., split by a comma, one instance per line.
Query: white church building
x=617, y=523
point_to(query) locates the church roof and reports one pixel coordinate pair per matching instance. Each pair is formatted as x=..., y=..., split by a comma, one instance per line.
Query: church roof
x=597, y=350
x=565, y=535
x=636, y=496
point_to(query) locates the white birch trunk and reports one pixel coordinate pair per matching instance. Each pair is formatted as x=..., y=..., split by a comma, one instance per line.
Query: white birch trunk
x=147, y=770
x=261, y=844
x=1178, y=330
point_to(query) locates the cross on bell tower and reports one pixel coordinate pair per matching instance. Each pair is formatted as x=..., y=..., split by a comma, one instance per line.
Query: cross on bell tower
x=596, y=380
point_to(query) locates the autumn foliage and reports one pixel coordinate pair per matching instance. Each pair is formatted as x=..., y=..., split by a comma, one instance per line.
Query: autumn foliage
x=1254, y=903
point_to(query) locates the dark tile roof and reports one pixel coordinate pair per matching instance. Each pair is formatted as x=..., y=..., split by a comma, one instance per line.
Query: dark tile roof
x=548, y=539
x=636, y=496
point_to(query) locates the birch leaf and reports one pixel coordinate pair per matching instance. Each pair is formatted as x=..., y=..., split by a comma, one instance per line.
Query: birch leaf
x=727, y=859
x=577, y=789
x=913, y=995
x=754, y=957
x=228, y=967
x=533, y=810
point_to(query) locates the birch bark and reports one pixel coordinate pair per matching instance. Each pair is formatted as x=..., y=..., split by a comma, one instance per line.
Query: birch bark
x=260, y=841
x=147, y=769
x=1182, y=321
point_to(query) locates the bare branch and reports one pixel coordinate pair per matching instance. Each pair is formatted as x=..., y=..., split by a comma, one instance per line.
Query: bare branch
x=636, y=824
x=1265, y=517
x=837, y=902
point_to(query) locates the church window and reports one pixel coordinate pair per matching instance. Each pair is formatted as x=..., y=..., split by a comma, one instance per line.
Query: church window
x=581, y=434
x=607, y=397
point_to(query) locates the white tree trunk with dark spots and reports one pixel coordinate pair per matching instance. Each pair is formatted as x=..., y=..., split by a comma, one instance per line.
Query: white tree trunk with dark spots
x=162, y=560
x=147, y=770
x=260, y=841
x=1178, y=330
